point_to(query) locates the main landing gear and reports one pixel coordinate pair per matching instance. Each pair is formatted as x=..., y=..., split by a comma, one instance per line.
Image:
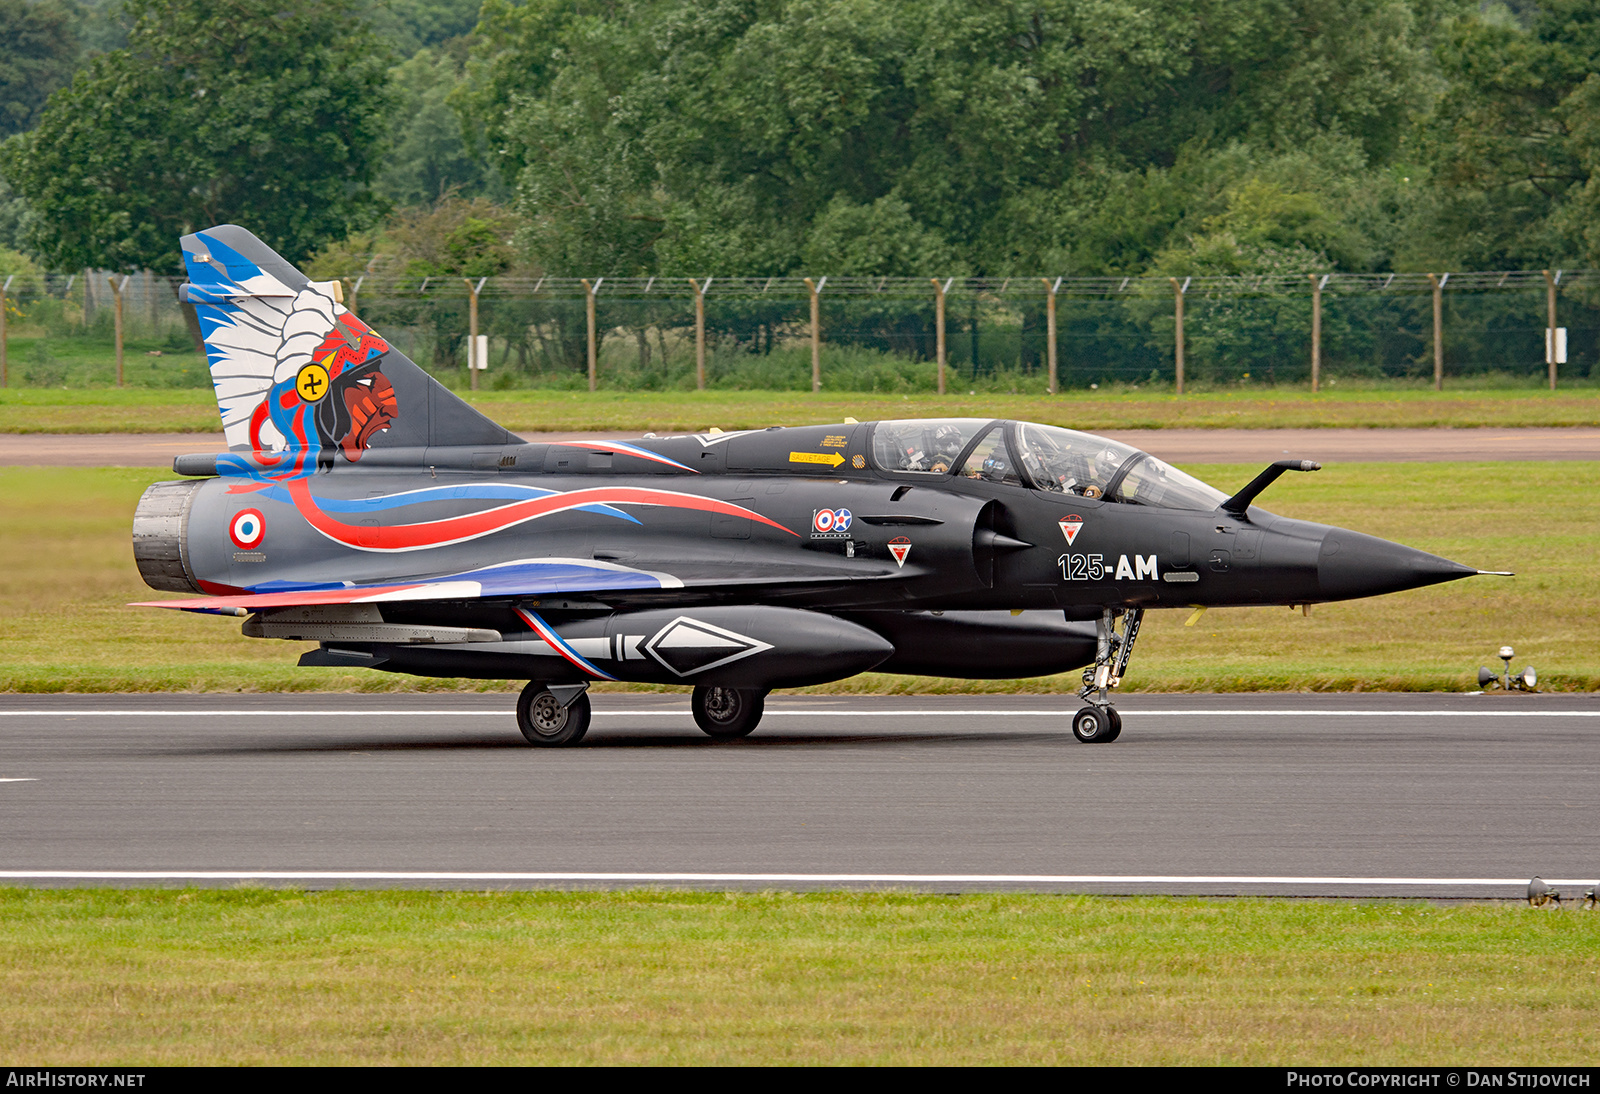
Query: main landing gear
x=1099, y=722
x=556, y=715
x=727, y=713
x=552, y=716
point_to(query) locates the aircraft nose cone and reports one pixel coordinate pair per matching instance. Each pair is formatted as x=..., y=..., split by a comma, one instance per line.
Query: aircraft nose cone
x=1352, y=565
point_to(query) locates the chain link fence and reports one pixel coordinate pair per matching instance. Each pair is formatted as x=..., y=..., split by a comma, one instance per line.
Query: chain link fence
x=865, y=334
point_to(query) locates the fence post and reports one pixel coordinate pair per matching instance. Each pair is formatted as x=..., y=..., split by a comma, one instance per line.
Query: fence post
x=939, y=291
x=589, y=291
x=355, y=296
x=816, y=332
x=1316, y=330
x=4, y=372
x=700, y=333
x=116, y=293
x=472, y=332
x=1550, y=327
x=1050, y=328
x=1177, y=314
x=1438, y=329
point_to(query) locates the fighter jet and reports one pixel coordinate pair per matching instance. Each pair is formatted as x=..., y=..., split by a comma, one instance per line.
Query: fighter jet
x=364, y=507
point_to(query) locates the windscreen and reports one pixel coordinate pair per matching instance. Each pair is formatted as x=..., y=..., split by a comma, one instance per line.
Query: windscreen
x=1151, y=482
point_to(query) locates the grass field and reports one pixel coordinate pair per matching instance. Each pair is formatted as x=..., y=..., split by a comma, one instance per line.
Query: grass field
x=67, y=573
x=179, y=410
x=277, y=977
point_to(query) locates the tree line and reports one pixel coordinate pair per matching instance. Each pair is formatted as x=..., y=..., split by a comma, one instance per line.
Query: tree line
x=775, y=137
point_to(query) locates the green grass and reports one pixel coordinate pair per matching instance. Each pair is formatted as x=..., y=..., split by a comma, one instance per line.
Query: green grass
x=252, y=976
x=179, y=410
x=67, y=573
x=154, y=361
x=108, y=410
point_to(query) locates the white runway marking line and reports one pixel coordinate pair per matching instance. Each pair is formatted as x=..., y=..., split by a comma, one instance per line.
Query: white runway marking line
x=1134, y=714
x=18, y=780
x=774, y=878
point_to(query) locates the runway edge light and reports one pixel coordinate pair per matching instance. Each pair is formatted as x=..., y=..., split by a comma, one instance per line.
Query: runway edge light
x=1540, y=894
x=1526, y=680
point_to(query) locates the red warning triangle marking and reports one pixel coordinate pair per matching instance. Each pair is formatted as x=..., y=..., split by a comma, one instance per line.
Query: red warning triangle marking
x=1069, y=527
x=900, y=547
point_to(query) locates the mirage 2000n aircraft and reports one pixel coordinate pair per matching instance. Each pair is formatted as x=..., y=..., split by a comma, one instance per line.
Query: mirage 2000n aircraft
x=363, y=507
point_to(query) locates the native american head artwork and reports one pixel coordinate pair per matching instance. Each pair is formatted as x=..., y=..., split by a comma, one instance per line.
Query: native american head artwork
x=299, y=378
x=335, y=399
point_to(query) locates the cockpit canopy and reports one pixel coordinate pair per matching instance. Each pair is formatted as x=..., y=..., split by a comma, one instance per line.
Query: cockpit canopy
x=1040, y=457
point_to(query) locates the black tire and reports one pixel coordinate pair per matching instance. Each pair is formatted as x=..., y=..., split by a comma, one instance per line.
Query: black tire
x=546, y=723
x=1095, y=725
x=727, y=713
x=1116, y=726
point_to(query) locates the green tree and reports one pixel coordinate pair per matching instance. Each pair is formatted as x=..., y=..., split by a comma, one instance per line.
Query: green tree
x=1514, y=142
x=429, y=157
x=38, y=51
x=16, y=219
x=446, y=242
x=879, y=239
x=1264, y=230
x=267, y=113
x=410, y=25
x=651, y=136
x=454, y=238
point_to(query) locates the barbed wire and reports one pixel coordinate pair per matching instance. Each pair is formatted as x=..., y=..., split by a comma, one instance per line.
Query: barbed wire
x=903, y=288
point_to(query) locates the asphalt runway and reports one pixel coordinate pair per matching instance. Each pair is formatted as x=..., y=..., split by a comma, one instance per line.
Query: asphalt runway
x=1174, y=445
x=1345, y=795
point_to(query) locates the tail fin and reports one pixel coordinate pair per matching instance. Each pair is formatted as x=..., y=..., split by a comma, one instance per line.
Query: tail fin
x=296, y=372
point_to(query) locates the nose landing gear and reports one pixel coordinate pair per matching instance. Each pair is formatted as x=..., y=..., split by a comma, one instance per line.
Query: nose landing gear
x=1099, y=722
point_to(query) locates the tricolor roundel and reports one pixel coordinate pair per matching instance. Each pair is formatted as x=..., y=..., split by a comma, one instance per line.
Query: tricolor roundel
x=247, y=529
x=831, y=520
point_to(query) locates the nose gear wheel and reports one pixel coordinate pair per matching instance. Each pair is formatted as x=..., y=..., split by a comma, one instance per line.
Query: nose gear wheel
x=1097, y=725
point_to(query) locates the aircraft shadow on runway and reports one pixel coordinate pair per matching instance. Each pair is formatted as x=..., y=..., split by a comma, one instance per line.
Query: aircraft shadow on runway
x=629, y=739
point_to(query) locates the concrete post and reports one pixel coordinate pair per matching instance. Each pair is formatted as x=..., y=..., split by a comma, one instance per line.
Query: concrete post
x=1178, y=291
x=1050, y=329
x=116, y=293
x=815, y=288
x=1438, y=329
x=1550, y=326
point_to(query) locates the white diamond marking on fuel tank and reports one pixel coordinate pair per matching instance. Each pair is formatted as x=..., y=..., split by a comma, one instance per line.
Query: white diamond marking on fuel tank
x=687, y=646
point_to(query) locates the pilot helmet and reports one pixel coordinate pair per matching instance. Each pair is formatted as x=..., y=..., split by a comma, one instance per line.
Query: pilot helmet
x=947, y=439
